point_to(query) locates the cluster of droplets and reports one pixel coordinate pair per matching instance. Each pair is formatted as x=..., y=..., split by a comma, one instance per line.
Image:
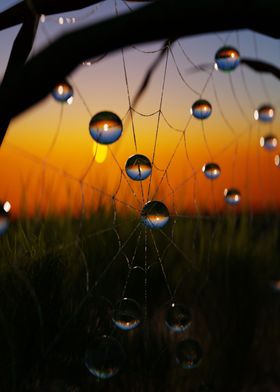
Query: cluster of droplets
x=105, y=356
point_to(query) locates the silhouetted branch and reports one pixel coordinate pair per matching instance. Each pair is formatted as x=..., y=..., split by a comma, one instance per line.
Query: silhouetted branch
x=164, y=19
x=20, y=12
x=20, y=51
x=150, y=73
x=261, y=66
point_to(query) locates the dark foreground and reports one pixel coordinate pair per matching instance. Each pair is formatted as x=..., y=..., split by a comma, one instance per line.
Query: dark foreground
x=60, y=280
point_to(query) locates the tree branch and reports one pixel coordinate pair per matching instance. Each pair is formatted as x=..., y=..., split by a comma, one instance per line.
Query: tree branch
x=20, y=51
x=164, y=19
x=20, y=12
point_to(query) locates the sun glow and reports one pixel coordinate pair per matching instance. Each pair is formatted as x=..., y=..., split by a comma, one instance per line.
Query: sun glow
x=100, y=152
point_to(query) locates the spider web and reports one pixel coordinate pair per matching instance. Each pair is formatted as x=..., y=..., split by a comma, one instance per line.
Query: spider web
x=151, y=266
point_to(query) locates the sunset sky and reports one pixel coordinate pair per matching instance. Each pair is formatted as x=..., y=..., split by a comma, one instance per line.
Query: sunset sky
x=33, y=176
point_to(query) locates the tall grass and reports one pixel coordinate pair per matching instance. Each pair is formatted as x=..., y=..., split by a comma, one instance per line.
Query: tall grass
x=60, y=278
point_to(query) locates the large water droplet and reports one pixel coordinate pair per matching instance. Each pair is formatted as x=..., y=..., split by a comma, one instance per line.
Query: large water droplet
x=4, y=216
x=105, y=357
x=201, y=109
x=105, y=127
x=264, y=113
x=211, y=170
x=155, y=215
x=232, y=196
x=227, y=59
x=269, y=142
x=138, y=167
x=277, y=160
x=127, y=314
x=178, y=317
x=63, y=92
x=188, y=354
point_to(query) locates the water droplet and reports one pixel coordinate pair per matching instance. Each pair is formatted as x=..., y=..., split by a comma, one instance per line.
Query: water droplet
x=188, y=354
x=154, y=215
x=138, y=167
x=211, y=170
x=105, y=127
x=105, y=357
x=63, y=92
x=201, y=109
x=178, y=317
x=4, y=216
x=227, y=59
x=87, y=63
x=127, y=314
x=264, y=113
x=275, y=285
x=277, y=160
x=61, y=20
x=232, y=196
x=42, y=18
x=269, y=142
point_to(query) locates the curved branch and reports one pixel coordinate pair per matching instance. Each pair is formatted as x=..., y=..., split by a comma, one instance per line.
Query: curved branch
x=20, y=51
x=20, y=12
x=261, y=66
x=164, y=19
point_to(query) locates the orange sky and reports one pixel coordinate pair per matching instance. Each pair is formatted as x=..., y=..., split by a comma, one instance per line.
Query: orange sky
x=231, y=133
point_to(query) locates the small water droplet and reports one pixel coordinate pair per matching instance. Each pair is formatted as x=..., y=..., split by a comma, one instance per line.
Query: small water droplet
x=63, y=92
x=138, y=167
x=155, y=215
x=178, y=317
x=211, y=170
x=127, y=314
x=269, y=142
x=232, y=196
x=201, y=109
x=188, y=354
x=4, y=216
x=104, y=357
x=264, y=113
x=227, y=59
x=105, y=127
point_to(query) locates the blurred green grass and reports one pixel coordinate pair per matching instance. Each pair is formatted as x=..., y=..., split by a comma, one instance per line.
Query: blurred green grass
x=220, y=266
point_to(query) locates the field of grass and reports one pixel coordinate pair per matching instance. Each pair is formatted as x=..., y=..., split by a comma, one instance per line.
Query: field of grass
x=60, y=278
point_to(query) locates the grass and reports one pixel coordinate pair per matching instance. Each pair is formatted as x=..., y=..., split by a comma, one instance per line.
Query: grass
x=219, y=266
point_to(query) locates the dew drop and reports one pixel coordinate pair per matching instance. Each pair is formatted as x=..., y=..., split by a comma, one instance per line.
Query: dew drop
x=269, y=142
x=63, y=92
x=201, y=109
x=188, y=354
x=127, y=314
x=178, y=317
x=4, y=216
x=154, y=215
x=211, y=170
x=264, y=113
x=104, y=357
x=277, y=160
x=105, y=127
x=138, y=167
x=232, y=196
x=227, y=59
